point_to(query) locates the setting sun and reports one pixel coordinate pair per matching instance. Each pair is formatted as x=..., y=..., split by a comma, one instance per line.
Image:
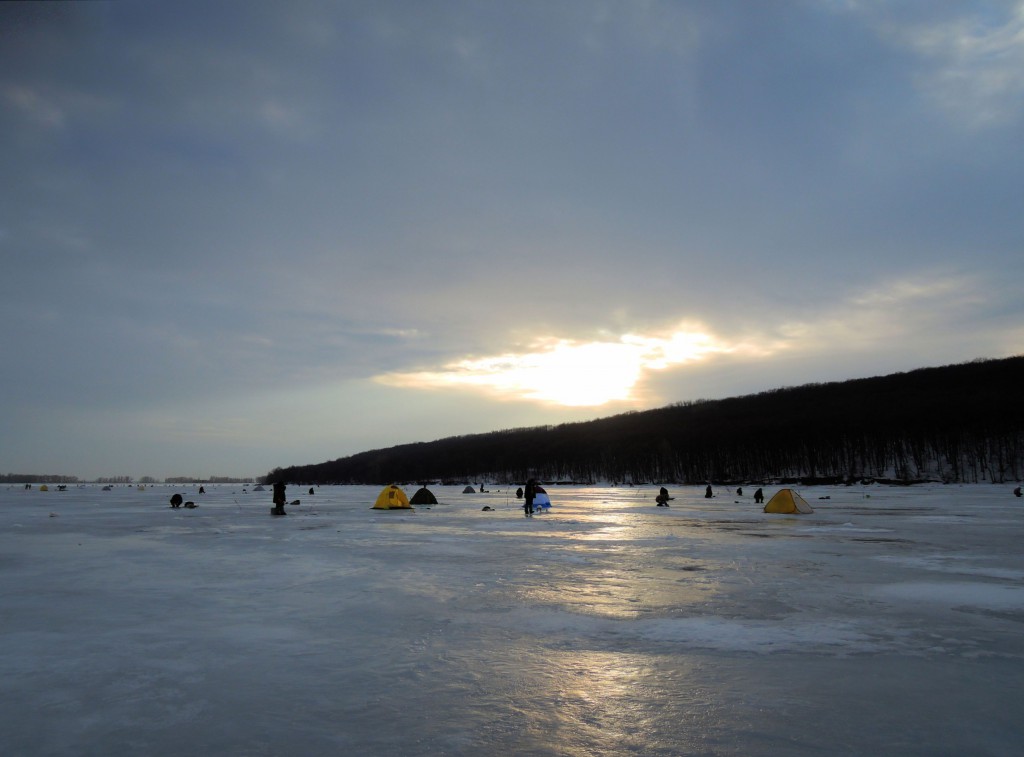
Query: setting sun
x=566, y=372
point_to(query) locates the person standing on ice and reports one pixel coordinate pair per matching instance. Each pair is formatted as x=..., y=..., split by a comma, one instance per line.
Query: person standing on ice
x=759, y=495
x=528, y=496
x=279, y=500
x=708, y=494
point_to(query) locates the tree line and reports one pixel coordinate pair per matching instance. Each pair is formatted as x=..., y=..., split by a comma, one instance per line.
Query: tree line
x=36, y=478
x=957, y=423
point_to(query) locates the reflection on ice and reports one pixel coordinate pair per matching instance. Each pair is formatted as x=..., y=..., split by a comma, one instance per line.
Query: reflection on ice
x=887, y=622
x=984, y=596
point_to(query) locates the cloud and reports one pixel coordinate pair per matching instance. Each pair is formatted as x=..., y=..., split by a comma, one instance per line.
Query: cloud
x=211, y=211
x=570, y=372
x=592, y=373
x=39, y=109
x=971, y=58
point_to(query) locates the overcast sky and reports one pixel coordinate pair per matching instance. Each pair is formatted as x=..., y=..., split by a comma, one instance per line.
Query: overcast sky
x=237, y=235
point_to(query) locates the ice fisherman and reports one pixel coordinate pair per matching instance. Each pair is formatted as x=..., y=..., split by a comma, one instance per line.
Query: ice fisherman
x=279, y=499
x=708, y=494
x=662, y=498
x=1016, y=492
x=759, y=495
x=528, y=496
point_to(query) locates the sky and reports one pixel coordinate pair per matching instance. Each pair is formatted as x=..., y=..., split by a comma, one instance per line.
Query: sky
x=242, y=235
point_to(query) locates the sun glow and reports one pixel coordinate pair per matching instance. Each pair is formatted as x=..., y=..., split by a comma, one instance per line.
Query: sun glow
x=567, y=372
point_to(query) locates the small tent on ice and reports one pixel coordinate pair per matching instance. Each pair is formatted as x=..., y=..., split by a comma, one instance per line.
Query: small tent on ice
x=541, y=500
x=423, y=496
x=787, y=501
x=392, y=498
x=469, y=490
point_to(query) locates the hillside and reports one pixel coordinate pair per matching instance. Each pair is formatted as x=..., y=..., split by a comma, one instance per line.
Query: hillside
x=958, y=423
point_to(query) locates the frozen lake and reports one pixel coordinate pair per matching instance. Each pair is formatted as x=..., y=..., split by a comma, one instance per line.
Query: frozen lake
x=889, y=622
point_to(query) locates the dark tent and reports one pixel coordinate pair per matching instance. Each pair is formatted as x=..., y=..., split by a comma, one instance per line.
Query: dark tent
x=423, y=496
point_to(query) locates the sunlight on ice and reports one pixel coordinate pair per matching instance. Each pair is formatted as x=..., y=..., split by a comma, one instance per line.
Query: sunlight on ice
x=886, y=622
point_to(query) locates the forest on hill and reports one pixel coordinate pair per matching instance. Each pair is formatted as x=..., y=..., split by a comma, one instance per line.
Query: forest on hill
x=957, y=423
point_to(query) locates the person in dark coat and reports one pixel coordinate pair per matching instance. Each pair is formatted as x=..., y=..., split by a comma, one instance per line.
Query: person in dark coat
x=528, y=496
x=176, y=500
x=708, y=494
x=759, y=496
x=662, y=498
x=279, y=498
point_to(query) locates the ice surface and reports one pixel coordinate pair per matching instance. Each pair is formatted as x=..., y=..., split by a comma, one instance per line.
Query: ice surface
x=887, y=622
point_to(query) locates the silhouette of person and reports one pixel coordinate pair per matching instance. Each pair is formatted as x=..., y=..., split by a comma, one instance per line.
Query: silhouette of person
x=759, y=496
x=708, y=494
x=662, y=498
x=528, y=496
x=279, y=499
x=1016, y=492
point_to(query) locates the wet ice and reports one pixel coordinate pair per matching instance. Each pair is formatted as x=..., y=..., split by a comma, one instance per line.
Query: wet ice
x=886, y=622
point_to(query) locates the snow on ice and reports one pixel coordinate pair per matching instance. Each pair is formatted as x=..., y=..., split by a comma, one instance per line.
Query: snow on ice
x=887, y=622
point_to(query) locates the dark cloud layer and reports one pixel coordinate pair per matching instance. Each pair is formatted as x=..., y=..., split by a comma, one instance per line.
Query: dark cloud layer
x=220, y=211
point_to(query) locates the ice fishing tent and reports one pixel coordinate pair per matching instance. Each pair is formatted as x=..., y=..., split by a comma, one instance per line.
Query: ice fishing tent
x=541, y=498
x=392, y=498
x=787, y=501
x=469, y=490
x=423, y=496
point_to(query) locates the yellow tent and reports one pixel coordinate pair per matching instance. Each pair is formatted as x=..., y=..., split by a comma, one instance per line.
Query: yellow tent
x=392, y=498
x=787, y=501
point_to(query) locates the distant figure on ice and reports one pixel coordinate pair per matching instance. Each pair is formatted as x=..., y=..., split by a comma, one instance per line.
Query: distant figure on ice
x=708, y=494
x=739, y=491
x=519, y=493
x=528, y=496
x=202, y=490
x=662, y=498
x=311, y=490
x=1016, y=492
x=176, y=500
x=759, y=496
x=279, y=499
